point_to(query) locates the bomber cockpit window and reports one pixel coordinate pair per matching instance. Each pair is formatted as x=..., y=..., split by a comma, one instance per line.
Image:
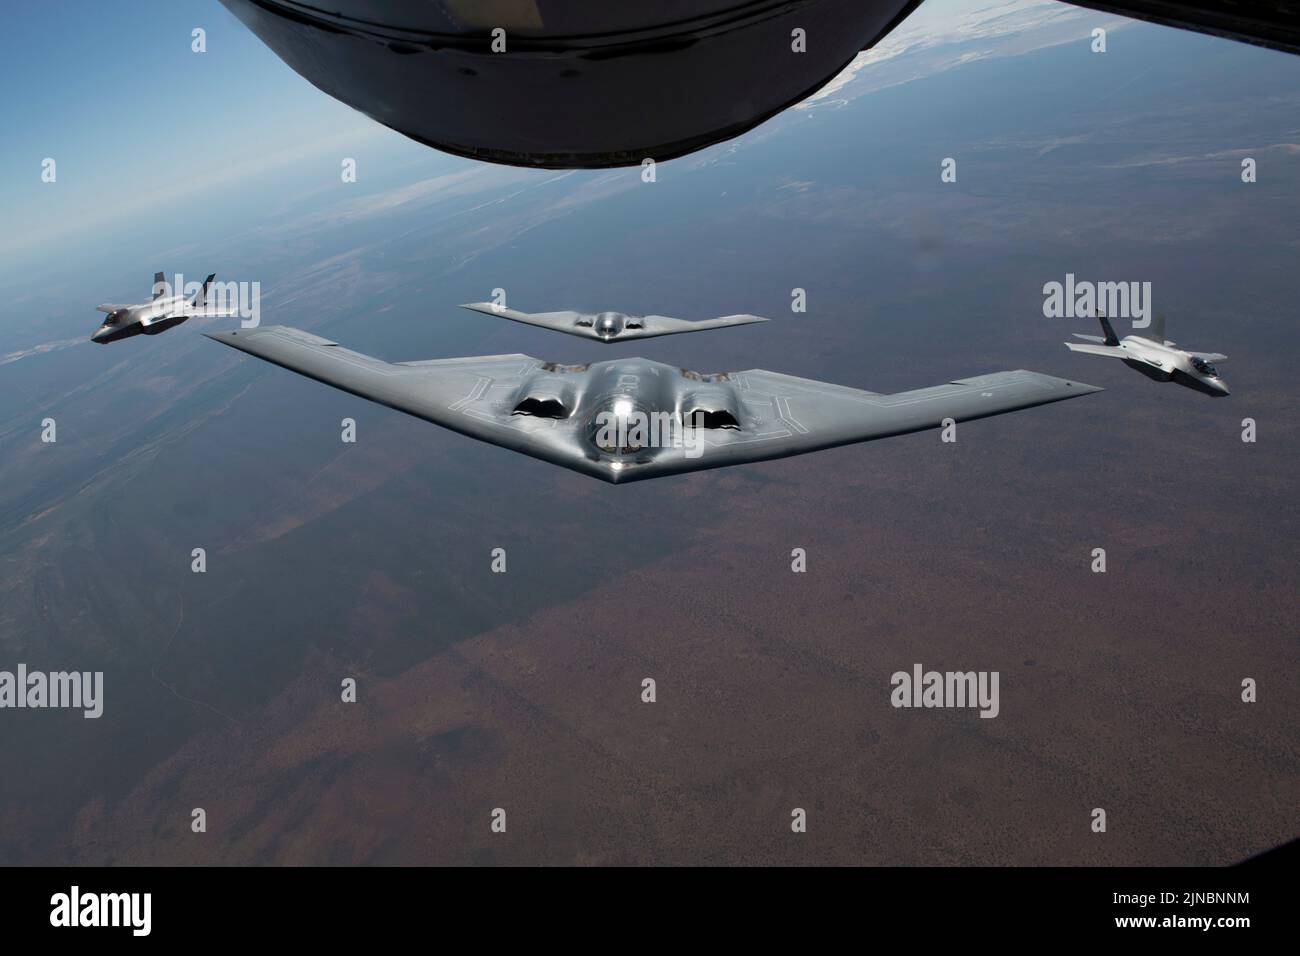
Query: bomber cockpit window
x=619, y=428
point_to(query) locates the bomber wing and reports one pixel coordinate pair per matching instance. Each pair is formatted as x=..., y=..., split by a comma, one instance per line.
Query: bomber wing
x=782, y=415
x=467, y=395
x=557, y=321
x=667, y=325
x=778, y=415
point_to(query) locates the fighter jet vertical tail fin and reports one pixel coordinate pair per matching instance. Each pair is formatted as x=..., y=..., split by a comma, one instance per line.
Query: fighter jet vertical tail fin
x=1111, y=338
x=202, y=294
x=1157, y=331
x=159, y=285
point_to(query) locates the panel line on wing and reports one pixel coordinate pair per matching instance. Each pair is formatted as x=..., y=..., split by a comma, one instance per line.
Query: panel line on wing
x=783, y=409
x=480, y=386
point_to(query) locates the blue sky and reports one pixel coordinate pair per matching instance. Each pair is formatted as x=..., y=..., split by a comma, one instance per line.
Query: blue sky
x=145, y=130
x=166, y=155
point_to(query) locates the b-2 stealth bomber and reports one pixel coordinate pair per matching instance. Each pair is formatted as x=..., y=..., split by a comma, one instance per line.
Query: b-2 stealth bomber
x=1156, y=357
x=631, y=419
x=611, y=326
x=163, y=312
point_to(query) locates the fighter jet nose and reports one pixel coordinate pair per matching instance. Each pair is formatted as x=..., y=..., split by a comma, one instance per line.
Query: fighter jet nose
x=1222, y=387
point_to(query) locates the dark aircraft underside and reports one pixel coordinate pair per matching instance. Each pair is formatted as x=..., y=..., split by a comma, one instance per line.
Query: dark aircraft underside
x=567, y=84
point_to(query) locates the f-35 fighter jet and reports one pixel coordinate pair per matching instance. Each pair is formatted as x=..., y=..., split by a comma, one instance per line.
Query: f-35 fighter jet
x=611, y=326
x=630, y=419
x=1156, y=357
x=162, y=313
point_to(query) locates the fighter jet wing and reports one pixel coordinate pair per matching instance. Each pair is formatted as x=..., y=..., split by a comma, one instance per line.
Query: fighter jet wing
x=587, y=324
x=203, y=312
x=1114, y=351
x=184, y=313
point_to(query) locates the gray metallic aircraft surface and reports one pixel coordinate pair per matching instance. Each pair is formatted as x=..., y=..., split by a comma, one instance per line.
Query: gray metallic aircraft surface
x=611, y=326
x=627, y=420
x=163, y=312
x=1156, y=357
x=573, y=84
